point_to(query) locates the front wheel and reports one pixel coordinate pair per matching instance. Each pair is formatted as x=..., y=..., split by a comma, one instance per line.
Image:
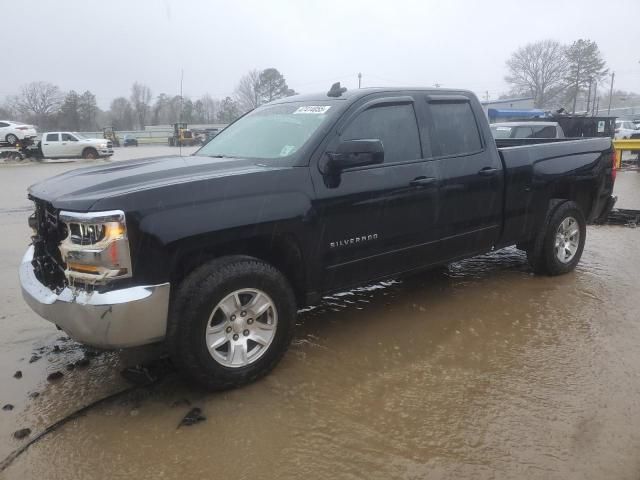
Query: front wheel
x=11, y=139
x=231, y=321
x=558, y=247
x=90, y=154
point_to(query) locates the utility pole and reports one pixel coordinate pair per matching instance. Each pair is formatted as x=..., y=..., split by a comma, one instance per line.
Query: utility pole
x=577, y=86
x=595, y=94
x=589, y=95
x=359, y=80
x=181, y=106
x=613, y=75
x=486, y=95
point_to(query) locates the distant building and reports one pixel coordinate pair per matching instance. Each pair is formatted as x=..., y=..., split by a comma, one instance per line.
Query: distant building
x=519, y=103
x=192, y=126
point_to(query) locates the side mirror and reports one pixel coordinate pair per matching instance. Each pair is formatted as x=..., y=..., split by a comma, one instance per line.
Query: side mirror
x=355, y=153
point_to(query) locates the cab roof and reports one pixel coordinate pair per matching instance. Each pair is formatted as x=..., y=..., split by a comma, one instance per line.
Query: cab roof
x=357, y=93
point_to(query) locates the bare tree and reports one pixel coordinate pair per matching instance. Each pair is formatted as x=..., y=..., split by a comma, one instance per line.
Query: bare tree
x=538, y=69
x=210, y=107
x=6, y=111
x=121, y=114
x=141, y=101
x=38, y=102
x=247, y=92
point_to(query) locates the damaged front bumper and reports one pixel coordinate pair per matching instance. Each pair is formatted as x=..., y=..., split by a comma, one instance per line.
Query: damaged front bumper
x=121, y=318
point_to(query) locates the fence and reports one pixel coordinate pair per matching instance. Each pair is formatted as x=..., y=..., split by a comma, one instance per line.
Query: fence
x=144, y=137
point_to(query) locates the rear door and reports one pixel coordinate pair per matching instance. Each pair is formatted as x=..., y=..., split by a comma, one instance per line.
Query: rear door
x=373, y=220
x=51, y=145
x=470, y=173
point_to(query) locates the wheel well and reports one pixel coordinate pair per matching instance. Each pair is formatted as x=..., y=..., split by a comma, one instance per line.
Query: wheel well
x=86, y=149
x=280, y=251
x=583, y=199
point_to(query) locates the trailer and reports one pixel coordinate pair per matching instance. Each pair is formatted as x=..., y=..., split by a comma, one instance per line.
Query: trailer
x=26, y=149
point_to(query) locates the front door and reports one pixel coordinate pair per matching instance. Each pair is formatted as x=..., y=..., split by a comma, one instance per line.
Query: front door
x=70, y=146
x=373, y=221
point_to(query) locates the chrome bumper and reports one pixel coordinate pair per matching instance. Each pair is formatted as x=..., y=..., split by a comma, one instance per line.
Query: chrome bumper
x=116, y=319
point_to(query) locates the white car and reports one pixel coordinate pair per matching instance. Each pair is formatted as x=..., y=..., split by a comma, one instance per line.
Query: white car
x=625, y=128
x=74, y=145
x=11, y=132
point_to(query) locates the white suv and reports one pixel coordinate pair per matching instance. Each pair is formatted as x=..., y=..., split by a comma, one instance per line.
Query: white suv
x=11, y=132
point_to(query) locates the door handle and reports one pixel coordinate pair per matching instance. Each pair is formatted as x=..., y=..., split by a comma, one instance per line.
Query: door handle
x=422, y=181
x=487, y=171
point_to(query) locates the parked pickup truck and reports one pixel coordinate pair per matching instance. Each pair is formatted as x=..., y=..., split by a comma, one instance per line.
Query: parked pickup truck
x=214, y=253
x=74, y=145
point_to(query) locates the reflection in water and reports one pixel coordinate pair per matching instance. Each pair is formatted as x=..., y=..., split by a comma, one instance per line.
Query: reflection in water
x=476, y=370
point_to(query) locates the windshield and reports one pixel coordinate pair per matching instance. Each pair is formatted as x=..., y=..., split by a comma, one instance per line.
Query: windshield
x=501, y=132
x=270, y=132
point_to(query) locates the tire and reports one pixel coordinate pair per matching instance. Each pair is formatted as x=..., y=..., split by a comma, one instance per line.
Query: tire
x=90, y=154
x=544, y=253
x=11, y=139
x=196, y=312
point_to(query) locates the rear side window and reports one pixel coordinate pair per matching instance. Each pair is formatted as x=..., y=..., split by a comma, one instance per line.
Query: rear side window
x=394, y=125
x=3, y=125
x=52, y=137
x=454, y=130
x=523, y=132
x=548, y=131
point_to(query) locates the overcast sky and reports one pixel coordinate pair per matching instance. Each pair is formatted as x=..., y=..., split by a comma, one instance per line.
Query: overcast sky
x=106, y=45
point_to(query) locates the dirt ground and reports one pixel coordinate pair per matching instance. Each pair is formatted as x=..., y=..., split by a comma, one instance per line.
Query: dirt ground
x=479, y=370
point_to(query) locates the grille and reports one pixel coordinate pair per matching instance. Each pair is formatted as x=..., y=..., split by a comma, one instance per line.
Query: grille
x=48, y=233
x=109, y=145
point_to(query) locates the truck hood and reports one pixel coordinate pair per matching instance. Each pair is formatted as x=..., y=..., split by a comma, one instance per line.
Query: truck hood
x=80, y=189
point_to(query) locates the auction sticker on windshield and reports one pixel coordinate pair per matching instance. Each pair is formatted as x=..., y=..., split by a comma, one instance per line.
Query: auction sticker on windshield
x=317, y=109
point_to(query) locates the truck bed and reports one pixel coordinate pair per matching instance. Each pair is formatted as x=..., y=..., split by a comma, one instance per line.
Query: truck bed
x=538, y=170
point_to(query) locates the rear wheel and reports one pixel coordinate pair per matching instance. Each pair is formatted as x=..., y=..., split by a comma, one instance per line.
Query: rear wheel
x=11, y=139
x=558, y=247
x=231, y=321
x=90, y=153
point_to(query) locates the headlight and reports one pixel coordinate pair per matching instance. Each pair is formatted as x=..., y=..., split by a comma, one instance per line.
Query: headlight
x=102, y=145
x=96, y=248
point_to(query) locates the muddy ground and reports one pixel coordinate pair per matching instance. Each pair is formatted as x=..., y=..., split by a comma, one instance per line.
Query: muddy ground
x=478, y=370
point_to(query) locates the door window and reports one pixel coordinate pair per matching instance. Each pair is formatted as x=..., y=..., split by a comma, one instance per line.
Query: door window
x=3, y=125
x=67, y=137
x=454, y=130
x=394, y=125
x=52, y=137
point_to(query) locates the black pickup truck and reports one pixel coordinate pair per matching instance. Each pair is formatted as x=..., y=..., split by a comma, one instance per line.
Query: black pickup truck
x=214, y=253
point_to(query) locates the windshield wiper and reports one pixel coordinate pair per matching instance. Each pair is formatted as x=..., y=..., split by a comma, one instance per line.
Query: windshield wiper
x=222, y=156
